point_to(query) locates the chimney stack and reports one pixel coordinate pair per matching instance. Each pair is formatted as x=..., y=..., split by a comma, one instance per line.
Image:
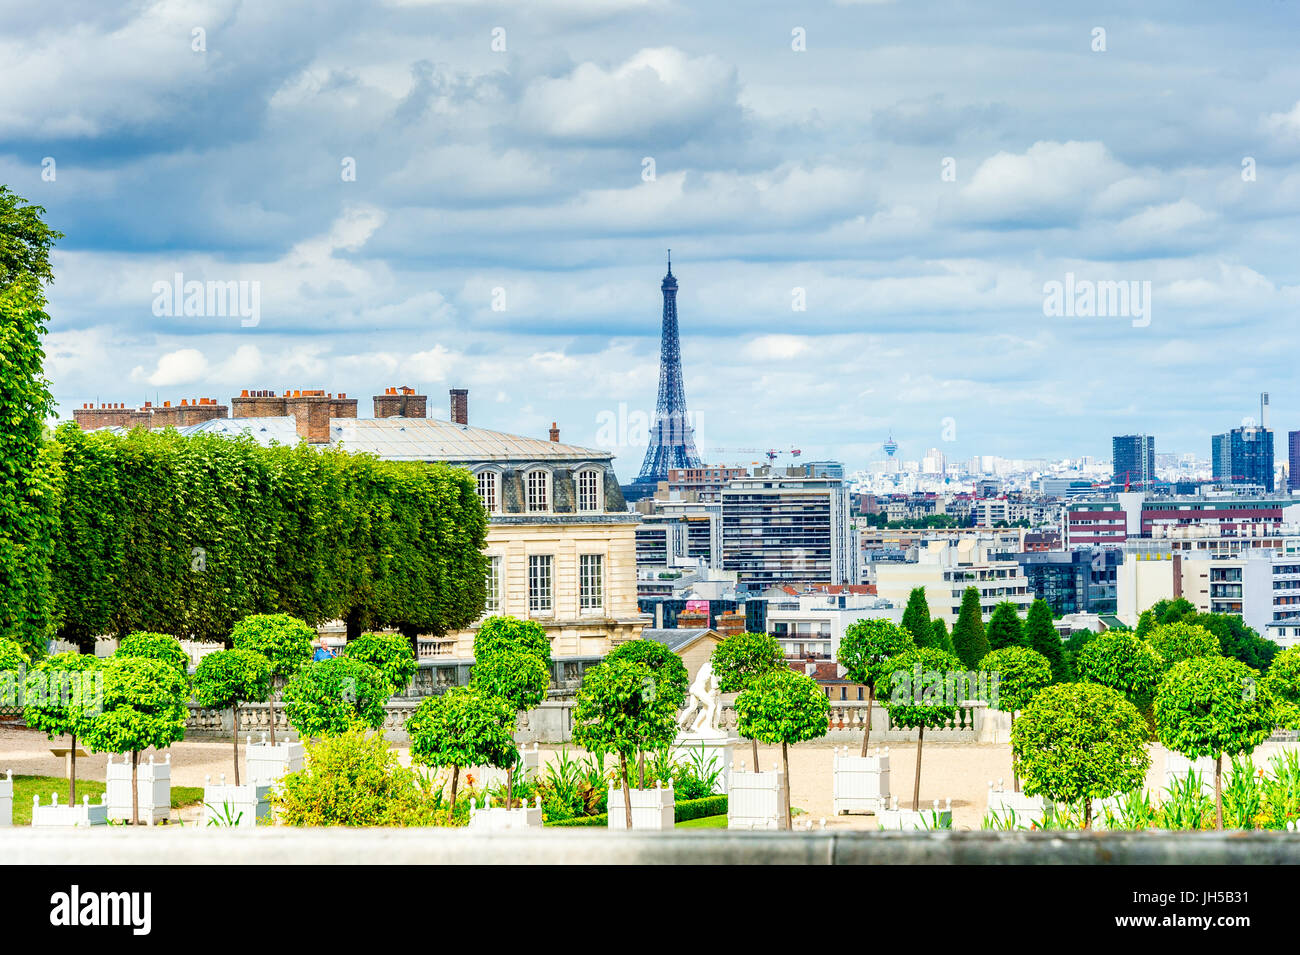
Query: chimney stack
x=401, y=402
x=460, y=406
x=555, y=433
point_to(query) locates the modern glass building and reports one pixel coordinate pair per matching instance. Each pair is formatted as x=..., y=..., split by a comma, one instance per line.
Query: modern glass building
x=1134, y=460
x=1244, y=456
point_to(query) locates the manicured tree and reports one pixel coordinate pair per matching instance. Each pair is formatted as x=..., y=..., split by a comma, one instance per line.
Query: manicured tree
x=1207, y=706
x=1282, y=684
x=740, y=659
x=783, y=707
x=1021, y=673
x=1041, y=637
x=669, y=672
x=389, y=653
x=518, y=677
x=968, y=639
x=284, y=640
x=1146, y=623
x=1005, y=629
x=1236, y=640
x=1176, y=642
x=61, y=699
x=1076, y=742
x=465, y=726
x=329, y=697
x=528, y=636
x=864, y=651
x=155, y=646
x=1128, y=665
x=920, y=695
x=916, y=618
x=226, y=678
x=940, y=639
x=617, y=710
x=144, y=704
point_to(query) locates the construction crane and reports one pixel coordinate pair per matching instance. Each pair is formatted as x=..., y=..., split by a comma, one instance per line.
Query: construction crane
x=771, y=453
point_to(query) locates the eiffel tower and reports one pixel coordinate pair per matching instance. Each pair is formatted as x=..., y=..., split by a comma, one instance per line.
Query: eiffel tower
x=672, y=439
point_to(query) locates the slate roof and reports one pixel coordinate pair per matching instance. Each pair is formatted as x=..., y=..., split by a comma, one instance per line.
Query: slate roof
x=429, y=439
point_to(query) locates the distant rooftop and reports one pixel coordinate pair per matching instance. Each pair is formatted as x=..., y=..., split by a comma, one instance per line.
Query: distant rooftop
x=428, y=439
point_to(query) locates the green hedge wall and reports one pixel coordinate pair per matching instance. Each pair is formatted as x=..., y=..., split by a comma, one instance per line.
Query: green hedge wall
x=682, y=811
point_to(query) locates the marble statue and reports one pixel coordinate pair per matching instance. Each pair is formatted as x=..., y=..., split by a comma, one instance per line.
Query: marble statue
x=701, y=715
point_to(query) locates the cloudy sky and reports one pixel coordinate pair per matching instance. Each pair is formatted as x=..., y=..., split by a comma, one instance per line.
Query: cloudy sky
x=914, y=172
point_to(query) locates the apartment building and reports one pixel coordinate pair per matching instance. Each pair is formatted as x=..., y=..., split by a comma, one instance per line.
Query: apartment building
x=946, y=568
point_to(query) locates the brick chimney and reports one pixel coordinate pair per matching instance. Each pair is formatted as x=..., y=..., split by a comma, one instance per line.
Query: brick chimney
x=460, y=406
x=401, y=402
x=555, y=433
x=311, y=414
x=731, y=622
x=692, y=620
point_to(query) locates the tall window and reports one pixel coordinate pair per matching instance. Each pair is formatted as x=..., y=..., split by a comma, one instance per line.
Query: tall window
x=493, y=603
x=487, y=490
x=539, y=583
x=539, y=496
x=591, y=584
x=588, y=490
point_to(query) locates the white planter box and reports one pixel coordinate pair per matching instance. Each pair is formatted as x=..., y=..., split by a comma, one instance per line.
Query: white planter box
x=1177, y=766
x=756, y=800
x=153, y=786
x=652, y=809
x=490, y=777
x=7, y=800
x=708, y=750
x=500, y=819
x=55, y=816
x=908, y=819
x=247, y=803
x=267, y=764
x=860, y=783
x=1005, y=805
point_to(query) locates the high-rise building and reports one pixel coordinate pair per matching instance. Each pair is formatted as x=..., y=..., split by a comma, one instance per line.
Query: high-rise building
x=1244, y=456
x=672, y=437
x=1134, y=460
x=1293, y=461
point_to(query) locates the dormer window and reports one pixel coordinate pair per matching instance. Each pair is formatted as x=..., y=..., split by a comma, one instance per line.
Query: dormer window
x=539, y=490
x=488, y=483
x=589, y=490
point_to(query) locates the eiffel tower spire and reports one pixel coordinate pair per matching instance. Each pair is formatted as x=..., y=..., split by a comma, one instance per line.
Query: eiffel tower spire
x=672, y=439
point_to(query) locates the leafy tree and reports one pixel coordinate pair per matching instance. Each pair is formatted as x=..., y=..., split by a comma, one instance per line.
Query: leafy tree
x=1146, y=623
x=465, y=726
x=226, y=678
x=1172, y=611
x=25, y=240
x=740, y=659
x=528, y=636
x=330, y=697
x=1207, y=706
x=1236, y=640
x=1176, y=642
x=1076, y=742
x=156, y=646
x=284, y=640
x=388, y=653
x=1282, y=684
x=617, y=710
x=1128, y=665
x=1021, y=674
x=61, y=699
x=916, y=618
x=1041, y=637
x=144, y=704
x=27, y=473
x=783, y=707
x=865, y=650
x=968, y=637
x=930, y=702
x=1005, y=629
x=521, y=679
x=669, y=673
x=939, y=636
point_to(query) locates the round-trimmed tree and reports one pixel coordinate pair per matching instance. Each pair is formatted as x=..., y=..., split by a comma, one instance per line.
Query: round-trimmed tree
x=1282, y=684
x=225, y=678
x=783, y=707
x=389, y=653
x=518, y=677
x=61, y=697
x=528, y=636
x=669, y=674
x=329, y=697
x=283, y=639
x=1021, y=673
x=740, y=659
x=864, y=650
x=465, y=726
x=1208, y=706
x=1076, y=742
x=1176, y=642
x=1119, y=659
x=155, y=646
x=920, y=694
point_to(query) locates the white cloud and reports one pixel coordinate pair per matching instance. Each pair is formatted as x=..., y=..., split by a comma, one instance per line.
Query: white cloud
x=186, y=366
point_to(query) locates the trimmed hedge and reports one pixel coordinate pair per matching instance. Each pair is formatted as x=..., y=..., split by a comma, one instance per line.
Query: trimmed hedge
x=686, y=809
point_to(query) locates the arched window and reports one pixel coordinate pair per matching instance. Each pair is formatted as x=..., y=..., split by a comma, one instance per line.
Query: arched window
x=489, y=486
x=539, y=490
x=589, y=490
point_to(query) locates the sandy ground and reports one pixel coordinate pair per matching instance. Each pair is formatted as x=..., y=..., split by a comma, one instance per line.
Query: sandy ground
x=957, y=771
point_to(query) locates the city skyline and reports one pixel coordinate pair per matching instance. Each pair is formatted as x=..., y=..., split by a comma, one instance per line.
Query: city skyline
x=797, y=162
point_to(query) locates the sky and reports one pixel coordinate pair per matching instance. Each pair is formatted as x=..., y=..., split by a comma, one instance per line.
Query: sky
x=867, y=203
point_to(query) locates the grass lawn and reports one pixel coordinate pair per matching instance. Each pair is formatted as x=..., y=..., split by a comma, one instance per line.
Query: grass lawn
x=704, y=822
x=25, y=787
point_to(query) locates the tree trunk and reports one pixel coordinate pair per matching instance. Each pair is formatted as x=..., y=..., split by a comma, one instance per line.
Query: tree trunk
x=72, y=781
x=135, y=793
x=871, y=702
x=785, y=765
x=754, y=743
x=455, y=781
x=234, y=721
x=1218, y=792
x=916, y=787
x=640, y=759
x=627, y=790
x=510, y=787
x=270, y=702
x=1015, y=776
x=1087, y=812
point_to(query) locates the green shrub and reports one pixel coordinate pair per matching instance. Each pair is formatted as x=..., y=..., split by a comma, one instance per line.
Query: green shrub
x=682, y=811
